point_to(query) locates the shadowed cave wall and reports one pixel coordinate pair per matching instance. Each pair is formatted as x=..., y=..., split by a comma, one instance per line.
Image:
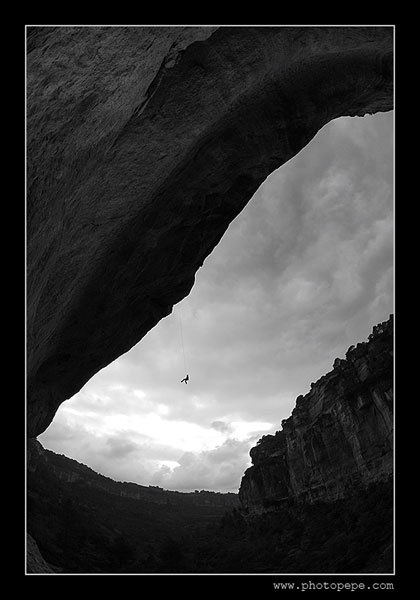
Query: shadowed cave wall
x=143, y=144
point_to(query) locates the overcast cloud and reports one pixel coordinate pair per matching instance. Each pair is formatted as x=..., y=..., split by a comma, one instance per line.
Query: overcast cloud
x=304, y=272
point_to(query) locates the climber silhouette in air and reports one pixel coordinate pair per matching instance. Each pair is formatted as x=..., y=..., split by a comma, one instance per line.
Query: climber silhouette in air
x=186, y=379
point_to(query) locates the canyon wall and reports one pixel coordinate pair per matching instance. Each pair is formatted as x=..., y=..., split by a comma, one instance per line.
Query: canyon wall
x=143, y=144
x=339, y=435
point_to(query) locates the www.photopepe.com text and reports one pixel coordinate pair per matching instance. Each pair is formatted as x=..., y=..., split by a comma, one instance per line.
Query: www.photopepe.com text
x=338, y=586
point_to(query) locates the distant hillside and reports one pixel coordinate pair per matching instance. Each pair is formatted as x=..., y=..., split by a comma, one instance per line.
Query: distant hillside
x=71, y=471
x=85, y=522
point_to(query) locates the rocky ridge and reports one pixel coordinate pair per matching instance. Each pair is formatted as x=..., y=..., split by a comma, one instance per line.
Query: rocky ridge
x=71, y=471
x=339, y=435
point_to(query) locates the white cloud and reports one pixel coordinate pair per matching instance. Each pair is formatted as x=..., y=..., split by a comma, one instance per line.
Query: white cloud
x=212, y=470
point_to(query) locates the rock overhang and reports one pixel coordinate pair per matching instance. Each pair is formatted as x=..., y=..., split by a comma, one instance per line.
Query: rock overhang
x=143, y=145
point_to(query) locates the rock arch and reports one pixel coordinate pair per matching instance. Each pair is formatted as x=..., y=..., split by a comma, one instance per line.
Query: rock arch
x=143, y=144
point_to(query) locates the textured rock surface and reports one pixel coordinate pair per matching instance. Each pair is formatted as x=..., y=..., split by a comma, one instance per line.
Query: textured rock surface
x=34, y=561
x=339, y=435
x=143, y=144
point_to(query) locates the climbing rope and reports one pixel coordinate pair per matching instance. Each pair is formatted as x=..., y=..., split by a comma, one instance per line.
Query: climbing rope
x=182, y=339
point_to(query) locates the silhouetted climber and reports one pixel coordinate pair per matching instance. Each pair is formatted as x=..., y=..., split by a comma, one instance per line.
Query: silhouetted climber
x=185, y=379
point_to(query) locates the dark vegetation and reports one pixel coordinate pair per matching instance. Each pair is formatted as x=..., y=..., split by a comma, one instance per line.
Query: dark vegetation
x=352, y=535
x=80, y=528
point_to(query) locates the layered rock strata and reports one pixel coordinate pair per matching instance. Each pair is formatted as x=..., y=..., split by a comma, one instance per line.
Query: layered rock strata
x=143, y=144
x=339, y=435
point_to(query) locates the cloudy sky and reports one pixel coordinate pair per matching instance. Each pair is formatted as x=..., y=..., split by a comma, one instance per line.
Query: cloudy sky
x=304, y=272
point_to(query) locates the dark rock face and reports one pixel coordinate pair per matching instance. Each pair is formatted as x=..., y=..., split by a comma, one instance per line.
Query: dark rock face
x=144, y=143
x=34, y=561
x=339, y=435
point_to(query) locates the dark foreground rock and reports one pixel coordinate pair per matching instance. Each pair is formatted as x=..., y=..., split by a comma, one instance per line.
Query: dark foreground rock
x=34, y=561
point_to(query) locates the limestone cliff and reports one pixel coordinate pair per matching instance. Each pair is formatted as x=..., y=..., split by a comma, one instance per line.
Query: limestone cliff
x=143, y=144
x=339, y=434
